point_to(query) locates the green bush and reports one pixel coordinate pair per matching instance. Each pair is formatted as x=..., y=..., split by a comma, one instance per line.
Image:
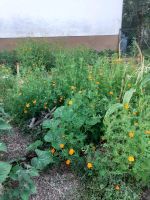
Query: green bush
x=100, y=127
x=6, y=81
x=9, y=59
x=30, y=96
x=33, y=54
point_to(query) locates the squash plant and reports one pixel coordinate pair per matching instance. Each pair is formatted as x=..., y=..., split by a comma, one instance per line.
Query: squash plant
x=15, y=178
x=5, y=167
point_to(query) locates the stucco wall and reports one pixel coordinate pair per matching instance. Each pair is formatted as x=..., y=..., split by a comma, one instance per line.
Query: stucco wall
x=46, y=18
x=95, y=42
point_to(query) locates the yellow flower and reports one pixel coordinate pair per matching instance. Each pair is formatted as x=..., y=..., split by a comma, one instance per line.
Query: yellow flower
x=90, y=78
x=97, y=82
x=89, y=165
x=126, y=106
x=131, y=134
x=73, y=88
x=131, y=159
x=147, y=132
x=111, y=93
x=68, y=162
x=135, y=113
x=61, y=99
x=117, y=187
x=129, y=85
x=52, y=150
x=25, y=111
x=27, y=105
x=61, y=146
x=45, y=105
x=71, y=152
x=34, y=101
x=136, y=124
x=70, y=102
x=53, y=83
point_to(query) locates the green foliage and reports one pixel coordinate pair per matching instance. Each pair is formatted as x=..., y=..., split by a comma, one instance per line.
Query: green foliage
x=34, y=145
x=3, y=147
x=4, y=171
x=29, y=96
x=20, y=184
x=9, y=59
x=97, y=188
x=33, y=54
x=6, y=81
x=100, y=126
x=42, y=160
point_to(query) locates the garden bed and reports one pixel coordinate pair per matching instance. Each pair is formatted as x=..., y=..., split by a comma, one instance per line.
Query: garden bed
x=84, y=118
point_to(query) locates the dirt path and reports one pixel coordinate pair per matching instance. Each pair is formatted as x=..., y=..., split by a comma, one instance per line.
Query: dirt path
x=54, y=184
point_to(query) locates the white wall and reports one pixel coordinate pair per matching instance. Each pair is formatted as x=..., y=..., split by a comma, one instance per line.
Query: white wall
x=21, y=18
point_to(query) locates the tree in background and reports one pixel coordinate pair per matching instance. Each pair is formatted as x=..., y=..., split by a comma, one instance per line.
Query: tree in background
x=136, y=20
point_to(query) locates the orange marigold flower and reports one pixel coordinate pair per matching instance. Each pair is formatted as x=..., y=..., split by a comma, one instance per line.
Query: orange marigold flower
x=131, y=158
x=147, y=132
x=52, y=150
x=71, y=152
x=68, y=162
x=131, y=134
x=126, y=106
x=61, y=146
x=89, y=165
x=117, y=187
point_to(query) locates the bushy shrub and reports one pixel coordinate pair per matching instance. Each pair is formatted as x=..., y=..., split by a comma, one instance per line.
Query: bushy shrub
x=6, y=81
x=33, y=54
x=30, y=96
x=100, y=127
x=9, y=59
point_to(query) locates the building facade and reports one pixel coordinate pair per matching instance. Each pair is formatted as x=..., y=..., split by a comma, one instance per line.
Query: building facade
x=93, y=23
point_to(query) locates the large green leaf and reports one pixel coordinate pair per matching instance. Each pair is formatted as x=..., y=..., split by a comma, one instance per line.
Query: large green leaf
x=113, y=109
x=42, y=160
x=128, y=95
x=4, y=125
x=34, y=145
x=3, y=147
x=145, y=81
x=4, y=171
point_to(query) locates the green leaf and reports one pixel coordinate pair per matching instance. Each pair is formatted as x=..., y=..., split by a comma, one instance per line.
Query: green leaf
x=128, y=95
x=4, y=171
x=4, y=125
x=3, y=147
x=44, y=158
x=46, y=124
x=113, y=109
x=145, y=81
x=34, y=145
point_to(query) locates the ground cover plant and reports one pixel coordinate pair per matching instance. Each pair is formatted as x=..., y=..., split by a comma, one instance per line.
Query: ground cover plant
x=91, y=112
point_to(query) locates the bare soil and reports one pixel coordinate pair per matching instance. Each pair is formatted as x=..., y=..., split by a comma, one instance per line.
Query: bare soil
x=53, y=184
